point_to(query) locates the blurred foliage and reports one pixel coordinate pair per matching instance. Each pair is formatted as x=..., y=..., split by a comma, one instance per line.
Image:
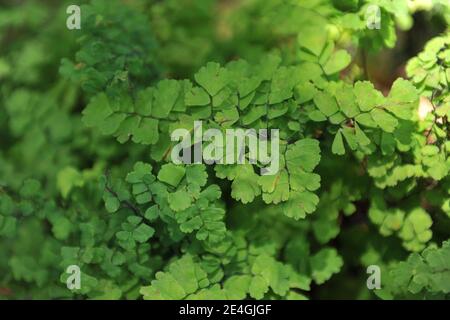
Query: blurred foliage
x=85, y=117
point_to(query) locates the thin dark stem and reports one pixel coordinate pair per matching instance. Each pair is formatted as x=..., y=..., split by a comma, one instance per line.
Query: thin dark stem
x=126, y=203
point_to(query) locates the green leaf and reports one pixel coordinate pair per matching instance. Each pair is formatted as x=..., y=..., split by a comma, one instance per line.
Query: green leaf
x=253, y=114
x=283, y=82
x=245, y=185
x=384, y=120
x=350, y=137
x=300, y=204
x=347, y=101
x=97, y=110
x=112, y=204
x=426, y=271
x=387, y=143
x=197, y=97
x=152, y=213
x=361, y=137
x=236, y=287
x=326, y=103
x=67, y=179
x=141, y=171
x=337, y=62
x=366, y=120
x=275, y=187
x=196, y=174
x=144, y=102
x=324, y=264
x=179, y=200
x=312, y=40
x=182, y=278
x=143, y=233
x=212, y=77
x=146, y=132
x=416, y=230
x=338, y=144
x=366, y=96
x=403, y=99
x=273, y=272
x=171, y=174
x=304, y=92
x=317, y=116
x=304, y=153
x=258, y=287
x=166, y=94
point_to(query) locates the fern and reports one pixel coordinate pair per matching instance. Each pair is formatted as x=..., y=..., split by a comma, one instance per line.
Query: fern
x=86, y=176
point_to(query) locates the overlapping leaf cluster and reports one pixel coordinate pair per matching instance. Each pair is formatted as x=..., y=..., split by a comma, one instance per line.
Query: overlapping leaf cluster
x=87, y=177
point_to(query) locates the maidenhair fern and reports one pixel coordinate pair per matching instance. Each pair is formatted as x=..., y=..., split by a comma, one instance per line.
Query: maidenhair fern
x=87, y=176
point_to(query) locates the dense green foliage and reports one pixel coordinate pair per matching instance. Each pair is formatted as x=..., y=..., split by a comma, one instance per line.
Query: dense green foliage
x=85, y=171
